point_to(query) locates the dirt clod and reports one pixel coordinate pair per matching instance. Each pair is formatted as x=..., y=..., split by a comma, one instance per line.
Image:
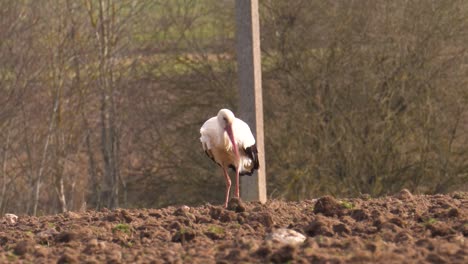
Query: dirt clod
x=68, y=256
x=126, y=216
x=236, y=205
x=228, y=216
x=41, y=252
x=65, y=237
x=328, y=206
x=23, y=247
x=341, y=229
x=283, y=255
x=403, y=237
x=405, y=194
x=71, y=215
x=215, y=212
x=453, y=212
x=436, y=258
x=184, y=235
x=440, y=229
x=320, y=227
x=359, y=215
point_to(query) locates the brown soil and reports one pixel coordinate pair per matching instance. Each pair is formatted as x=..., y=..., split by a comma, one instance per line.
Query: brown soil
x=403, y=228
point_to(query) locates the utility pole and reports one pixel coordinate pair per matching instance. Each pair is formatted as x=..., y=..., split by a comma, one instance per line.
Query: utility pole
x=253, y=188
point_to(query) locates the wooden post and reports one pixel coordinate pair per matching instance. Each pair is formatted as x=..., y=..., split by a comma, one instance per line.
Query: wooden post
x=250, y=91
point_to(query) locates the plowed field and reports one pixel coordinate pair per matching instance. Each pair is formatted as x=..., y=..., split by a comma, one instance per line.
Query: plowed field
x=403, y=228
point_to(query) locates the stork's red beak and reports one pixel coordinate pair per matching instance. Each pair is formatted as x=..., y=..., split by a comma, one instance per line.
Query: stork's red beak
x=233, y=141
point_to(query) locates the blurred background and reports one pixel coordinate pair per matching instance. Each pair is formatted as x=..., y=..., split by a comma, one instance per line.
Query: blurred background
x=101, y=101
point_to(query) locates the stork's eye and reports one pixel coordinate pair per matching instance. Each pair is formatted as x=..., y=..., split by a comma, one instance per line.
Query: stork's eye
x=225, y=119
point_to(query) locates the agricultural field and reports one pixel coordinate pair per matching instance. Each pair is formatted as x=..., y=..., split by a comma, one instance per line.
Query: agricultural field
x=402, y=228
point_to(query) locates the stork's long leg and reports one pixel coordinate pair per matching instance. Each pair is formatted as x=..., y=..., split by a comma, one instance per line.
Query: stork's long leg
x=237, y=183
x=228, y=186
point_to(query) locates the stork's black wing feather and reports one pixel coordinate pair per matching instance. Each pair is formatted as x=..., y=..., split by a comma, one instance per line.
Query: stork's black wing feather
x=252, y=152
x=253, y=155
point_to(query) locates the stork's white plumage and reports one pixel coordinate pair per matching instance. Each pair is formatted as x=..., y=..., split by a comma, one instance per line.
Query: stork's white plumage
x=228, y=141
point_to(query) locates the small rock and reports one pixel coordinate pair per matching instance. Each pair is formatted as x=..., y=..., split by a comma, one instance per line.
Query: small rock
x=286, y=236
x=404, y=194
x=11, y=218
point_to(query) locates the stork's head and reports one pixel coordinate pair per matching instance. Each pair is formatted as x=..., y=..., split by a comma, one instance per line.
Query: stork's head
x=226, y=119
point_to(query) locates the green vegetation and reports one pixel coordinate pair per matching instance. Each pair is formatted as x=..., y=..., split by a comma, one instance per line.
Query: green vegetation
x=347, y=205
x=125, y=228
x=216, y=230
x=430, y=221
x=12, y=257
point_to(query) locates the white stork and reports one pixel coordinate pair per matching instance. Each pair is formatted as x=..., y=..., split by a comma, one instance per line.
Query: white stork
x=228, y=141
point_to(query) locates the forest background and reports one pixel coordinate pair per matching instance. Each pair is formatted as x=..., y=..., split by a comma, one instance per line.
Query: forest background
x=101, y=101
